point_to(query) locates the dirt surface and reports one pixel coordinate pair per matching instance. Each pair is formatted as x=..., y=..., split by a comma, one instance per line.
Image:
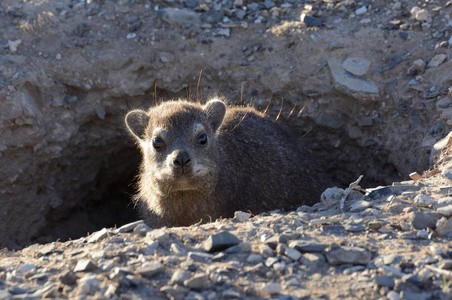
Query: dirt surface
x=373, y=78
x=392, y=242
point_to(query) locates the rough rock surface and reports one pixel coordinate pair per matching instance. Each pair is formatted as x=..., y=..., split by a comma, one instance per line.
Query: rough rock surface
x=314, y=252
x=70, y=69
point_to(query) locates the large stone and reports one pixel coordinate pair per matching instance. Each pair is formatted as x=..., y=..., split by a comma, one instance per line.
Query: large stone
x=220, y=241
x=312, y=259
x=85, y=265
x=292, y=253
x=156, y=235
x=438, y=147
x=180, y=276
x=200, y=256
x=437, y=60
x=445, y=210
x=198, y=281
x=241, y=216
x=46, y=250
x=423, y=200
x=98, y=236
x=444, y=226
x=151, y=269
x=419, y=14
x=305, y=246
x=360, y=205
x=419, y=65
x=421, y=220
x=270, y=288
x=357, y=87
x=356, y=65
x=348, y=255
x=446, y=201
x=87, y=285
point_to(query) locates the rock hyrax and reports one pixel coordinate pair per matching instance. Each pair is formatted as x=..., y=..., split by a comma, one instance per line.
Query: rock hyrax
x=205, y=162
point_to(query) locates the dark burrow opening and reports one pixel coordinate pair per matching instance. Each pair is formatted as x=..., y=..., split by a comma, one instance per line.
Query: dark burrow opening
x=108, y=201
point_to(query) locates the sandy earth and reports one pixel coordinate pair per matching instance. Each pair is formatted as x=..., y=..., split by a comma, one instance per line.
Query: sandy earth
x=70, y=70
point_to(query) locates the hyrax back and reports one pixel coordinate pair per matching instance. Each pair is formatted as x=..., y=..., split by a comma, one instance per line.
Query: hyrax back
x=205, y=162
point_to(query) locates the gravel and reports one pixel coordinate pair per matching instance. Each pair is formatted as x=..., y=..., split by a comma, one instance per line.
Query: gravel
x=391, y=241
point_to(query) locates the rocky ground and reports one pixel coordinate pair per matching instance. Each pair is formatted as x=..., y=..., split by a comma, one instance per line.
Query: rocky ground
x=374, y=80
x=391, y=242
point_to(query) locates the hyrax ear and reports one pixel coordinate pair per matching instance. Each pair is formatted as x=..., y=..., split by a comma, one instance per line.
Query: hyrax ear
x=136, y=121
x=215, y=111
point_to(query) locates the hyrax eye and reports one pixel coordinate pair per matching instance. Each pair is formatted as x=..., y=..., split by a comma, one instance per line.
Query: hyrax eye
x=202, y=139
x=157, y=143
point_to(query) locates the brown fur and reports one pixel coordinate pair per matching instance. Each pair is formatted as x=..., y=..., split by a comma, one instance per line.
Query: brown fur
x=249, y=163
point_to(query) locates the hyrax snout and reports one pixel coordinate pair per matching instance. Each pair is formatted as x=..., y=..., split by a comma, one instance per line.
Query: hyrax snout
x=205, y=162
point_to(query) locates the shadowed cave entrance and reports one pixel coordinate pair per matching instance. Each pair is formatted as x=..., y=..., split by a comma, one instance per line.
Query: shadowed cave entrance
x=106, y=200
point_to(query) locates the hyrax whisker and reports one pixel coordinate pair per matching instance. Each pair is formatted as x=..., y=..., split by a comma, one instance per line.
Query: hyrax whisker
x=291, y=112
x=268, y=105
x=280, y=110
x=302, y=109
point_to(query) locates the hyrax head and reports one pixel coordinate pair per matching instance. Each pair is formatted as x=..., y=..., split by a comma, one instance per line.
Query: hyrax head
x=179, y=144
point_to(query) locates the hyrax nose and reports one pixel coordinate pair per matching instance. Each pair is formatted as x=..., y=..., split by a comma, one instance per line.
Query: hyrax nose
x=182, y=159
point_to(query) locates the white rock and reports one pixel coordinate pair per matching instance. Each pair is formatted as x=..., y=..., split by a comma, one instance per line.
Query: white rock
x=361, y=10
x=356, y=87
x=85, y=265
x=150, y=249
x=419, y=65
x=26, y=268
x=435, y=153
x=445, y=210
x=279, y=266
x=180, y=276
x=332, y=196
x=420, y=14
x=393, y=295
x=129, y=227
x=356, y=65
x=443, y=226
x=151, y=269
x=198, y=281
x=437, y=60
x=224, y=32
x=423, y=200
x=241, y=216
x=156, y=235
x=422, y=234
x=292, y=253
x=98, y=236
x=360, y=206
x=87, y=285
x=254, y=258
x=423, y=15
x=13, y=45
x=270, y=288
